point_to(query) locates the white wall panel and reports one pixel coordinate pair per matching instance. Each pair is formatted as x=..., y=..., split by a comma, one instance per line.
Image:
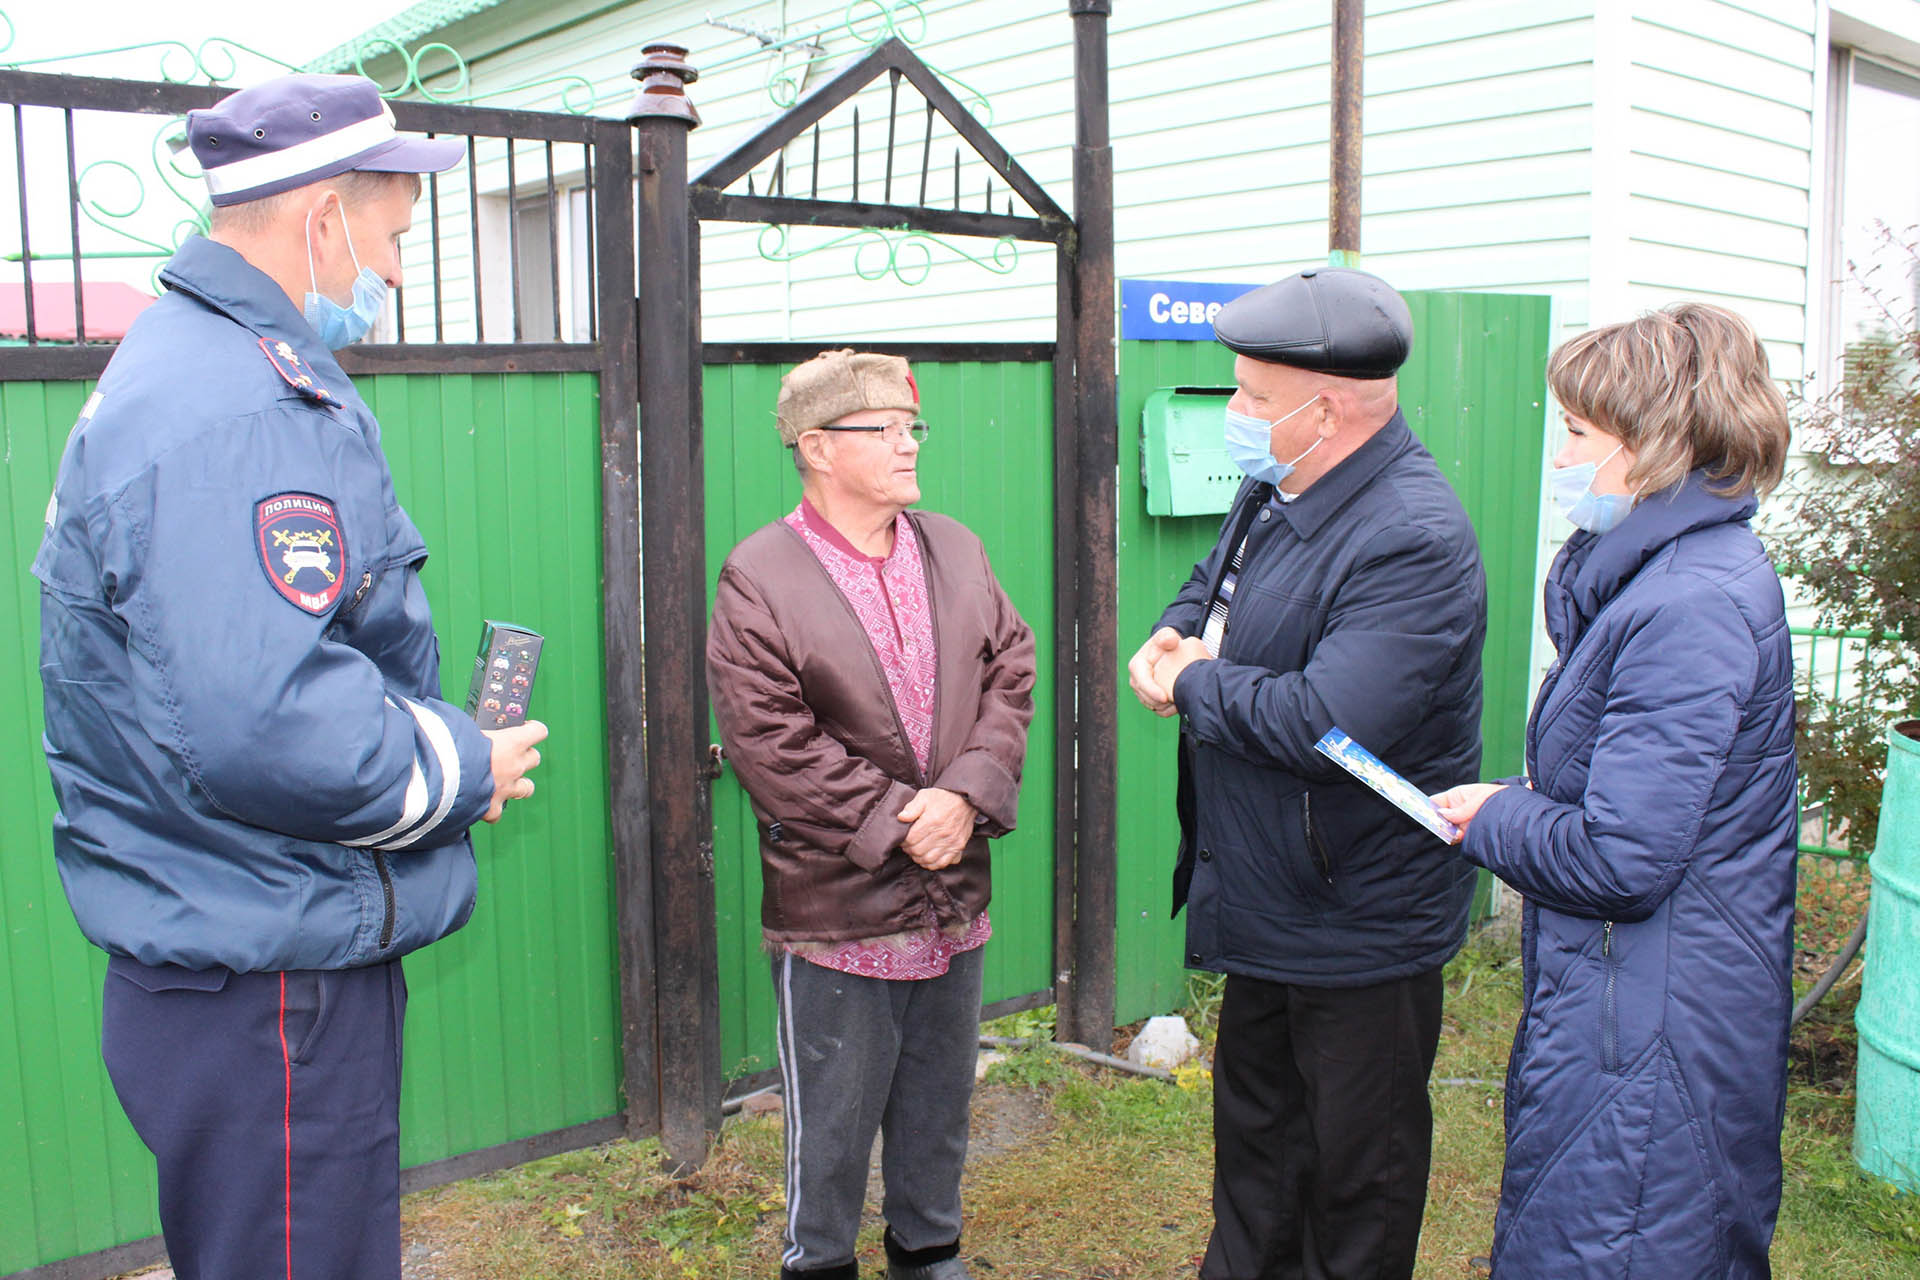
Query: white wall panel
x=1656, y=132
x=1723, y=106
x=1693, y=228
x=1480, y=168
x=1719, y=176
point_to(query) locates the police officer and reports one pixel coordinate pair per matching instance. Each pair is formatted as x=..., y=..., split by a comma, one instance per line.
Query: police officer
x=264, y=801
x=1346, y=589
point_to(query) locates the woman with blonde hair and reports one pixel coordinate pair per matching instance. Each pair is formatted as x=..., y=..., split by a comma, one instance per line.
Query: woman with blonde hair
x=1654, y=835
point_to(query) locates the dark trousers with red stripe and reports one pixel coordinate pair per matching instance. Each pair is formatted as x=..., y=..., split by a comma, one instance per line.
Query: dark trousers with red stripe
x=271, y=1102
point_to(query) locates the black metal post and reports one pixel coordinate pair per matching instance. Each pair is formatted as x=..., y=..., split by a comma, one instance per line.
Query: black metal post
x=1343, y=172
x=686, y=972
x=1066, y=612
x=620, y=604
x=1087, y=1014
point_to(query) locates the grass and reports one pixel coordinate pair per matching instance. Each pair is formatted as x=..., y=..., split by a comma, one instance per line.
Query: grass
x=1080, y=1174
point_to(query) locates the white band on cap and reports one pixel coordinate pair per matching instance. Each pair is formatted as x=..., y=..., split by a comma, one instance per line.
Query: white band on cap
x=303, y=157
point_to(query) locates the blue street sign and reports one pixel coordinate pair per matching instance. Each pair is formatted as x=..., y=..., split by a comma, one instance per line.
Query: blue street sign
x=1177, y=310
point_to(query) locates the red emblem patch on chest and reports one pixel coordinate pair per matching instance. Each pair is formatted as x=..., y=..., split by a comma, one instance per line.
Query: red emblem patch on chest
x=302, y=550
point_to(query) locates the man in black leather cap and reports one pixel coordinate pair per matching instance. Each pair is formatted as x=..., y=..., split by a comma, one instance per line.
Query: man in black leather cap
x=1346, y=589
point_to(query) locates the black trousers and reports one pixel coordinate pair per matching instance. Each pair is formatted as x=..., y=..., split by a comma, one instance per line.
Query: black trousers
x=1322, y=1130
x=271, y=1103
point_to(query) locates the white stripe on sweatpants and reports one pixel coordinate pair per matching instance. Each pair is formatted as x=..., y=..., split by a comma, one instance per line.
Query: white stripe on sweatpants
x=790, y=1080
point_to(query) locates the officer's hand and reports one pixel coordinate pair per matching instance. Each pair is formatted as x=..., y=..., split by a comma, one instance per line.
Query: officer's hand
x=514, y=756
x=1166, y=671
x=942, y=823
x=1140, y=671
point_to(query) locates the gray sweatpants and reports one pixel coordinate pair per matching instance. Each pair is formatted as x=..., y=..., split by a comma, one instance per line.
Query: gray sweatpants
x=863, y=1054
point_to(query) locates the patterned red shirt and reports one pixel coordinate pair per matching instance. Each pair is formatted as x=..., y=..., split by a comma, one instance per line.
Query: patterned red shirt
x=888, y=595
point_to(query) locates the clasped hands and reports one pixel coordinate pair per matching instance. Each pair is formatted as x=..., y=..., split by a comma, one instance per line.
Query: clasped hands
x=1158, y=664
x=941, y=824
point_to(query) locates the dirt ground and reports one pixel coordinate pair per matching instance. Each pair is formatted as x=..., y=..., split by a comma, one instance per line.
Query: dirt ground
x=1004, y=1119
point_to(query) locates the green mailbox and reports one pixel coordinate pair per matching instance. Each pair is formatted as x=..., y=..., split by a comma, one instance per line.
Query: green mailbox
x=1183, y=454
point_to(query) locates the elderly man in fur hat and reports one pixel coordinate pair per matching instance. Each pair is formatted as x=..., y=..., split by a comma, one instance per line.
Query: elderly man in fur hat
x=873, y=686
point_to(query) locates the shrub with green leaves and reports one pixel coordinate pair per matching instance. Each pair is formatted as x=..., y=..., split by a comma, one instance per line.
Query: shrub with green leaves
x=1851, y=538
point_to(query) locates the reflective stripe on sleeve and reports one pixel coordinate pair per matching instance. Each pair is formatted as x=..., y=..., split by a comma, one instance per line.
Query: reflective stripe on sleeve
x=411, y=807
x=448, y=754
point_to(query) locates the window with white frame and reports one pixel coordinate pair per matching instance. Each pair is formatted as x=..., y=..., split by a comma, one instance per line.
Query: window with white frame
x=1873, y=285
x=535, y=266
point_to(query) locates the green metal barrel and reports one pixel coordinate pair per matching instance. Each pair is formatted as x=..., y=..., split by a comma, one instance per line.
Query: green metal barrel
x=1886, y=1134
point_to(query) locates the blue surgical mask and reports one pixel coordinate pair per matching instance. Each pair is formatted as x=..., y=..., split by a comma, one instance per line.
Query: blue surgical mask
x=1250, y=445
x=342, y=326
x=1572, y=490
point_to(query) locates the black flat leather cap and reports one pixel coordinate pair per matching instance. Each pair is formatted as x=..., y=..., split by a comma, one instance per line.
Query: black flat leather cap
x=1333, y=320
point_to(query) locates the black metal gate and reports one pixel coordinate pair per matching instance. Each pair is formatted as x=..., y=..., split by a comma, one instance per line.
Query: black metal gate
x=508, y=393
x=647, y=1056
x=671, y=208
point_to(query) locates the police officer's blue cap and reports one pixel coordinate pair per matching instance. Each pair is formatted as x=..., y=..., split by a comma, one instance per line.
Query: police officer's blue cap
x=1333, y=320
x=293, y=130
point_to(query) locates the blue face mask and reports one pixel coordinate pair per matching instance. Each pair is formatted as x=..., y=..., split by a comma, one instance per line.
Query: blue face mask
x=340, y=326
x=1250, y=445
x=1572, y=490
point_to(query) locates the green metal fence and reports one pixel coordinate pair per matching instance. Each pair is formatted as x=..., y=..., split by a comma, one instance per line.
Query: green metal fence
x=515, y=1028
x=1473, y=392
x=1824, y=659
x=988, y=463
x=514, y=1025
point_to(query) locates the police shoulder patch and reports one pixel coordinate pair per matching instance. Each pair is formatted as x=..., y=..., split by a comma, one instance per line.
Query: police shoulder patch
x=287, y=363
x=302, y=549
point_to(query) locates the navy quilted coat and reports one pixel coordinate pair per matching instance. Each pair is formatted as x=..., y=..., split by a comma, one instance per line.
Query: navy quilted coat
x=1656, y=855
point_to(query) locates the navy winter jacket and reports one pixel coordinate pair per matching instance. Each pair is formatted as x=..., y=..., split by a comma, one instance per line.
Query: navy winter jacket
x=254, y=766
x=1361, y=604
x=1656, y=854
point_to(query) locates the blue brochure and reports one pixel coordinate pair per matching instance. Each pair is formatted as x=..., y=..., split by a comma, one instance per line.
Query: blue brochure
x=1403, y=795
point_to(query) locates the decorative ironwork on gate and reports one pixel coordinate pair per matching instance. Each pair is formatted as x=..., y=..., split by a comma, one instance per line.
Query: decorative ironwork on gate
x=901, y=236
x=103, y=182
x=832, y=183
x=434, y=71
x=867, y=23
x=558, y=192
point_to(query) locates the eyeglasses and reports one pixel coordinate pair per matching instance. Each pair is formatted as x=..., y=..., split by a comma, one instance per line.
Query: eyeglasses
x=891, y=432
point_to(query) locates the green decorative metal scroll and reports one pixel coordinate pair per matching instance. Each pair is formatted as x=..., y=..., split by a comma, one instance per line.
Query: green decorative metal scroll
x=907, y=256
x=214, y=60
x=217, y=60
x=113, y=194
x=451, y=83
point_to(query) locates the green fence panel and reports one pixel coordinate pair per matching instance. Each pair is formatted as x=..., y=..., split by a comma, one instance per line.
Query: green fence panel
x=73, y=1177
x=988, y=463
x=513, y=1026
x=1473, y=392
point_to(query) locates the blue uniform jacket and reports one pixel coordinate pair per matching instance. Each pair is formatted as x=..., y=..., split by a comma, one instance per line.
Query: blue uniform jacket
x=1656, y=853
x=1360, y=604
x=253, y=764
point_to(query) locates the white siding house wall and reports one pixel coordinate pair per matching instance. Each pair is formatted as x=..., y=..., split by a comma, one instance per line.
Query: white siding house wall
x=1616, y=154
x=1478, y=165
x=1720, y=182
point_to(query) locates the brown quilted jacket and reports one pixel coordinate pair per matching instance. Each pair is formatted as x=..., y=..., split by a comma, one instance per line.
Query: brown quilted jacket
x=810, y=728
